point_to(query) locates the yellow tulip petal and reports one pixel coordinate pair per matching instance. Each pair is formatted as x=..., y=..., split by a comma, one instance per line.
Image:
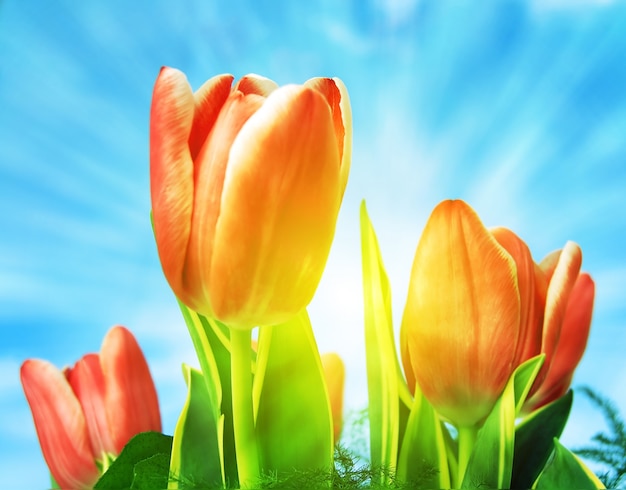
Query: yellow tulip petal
x=462, y=314
x=280, y=202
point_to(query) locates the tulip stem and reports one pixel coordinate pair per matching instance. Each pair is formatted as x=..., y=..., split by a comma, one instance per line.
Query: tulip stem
x=467, y=440
x=243, y=416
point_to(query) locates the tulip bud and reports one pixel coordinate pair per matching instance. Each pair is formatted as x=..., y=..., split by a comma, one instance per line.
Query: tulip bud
x=246, y=185
x=89, y=412
x=477, y=307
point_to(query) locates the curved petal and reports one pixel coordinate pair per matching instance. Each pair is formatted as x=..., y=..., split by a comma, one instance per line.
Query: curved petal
x=335, y=374
x=88, y=384
x=531, y=307
x=131, y=399
x=562, y=279
x=210, y=170
x=208, y=101
x=171, y=172
x=256, y=84
x=336, y=94
x=462, y=314
x=572, y=342
x=60, y=425
x=279, y=208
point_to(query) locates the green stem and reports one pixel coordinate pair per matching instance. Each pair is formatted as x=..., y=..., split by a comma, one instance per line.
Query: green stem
x=243, y=417
x=467, y=439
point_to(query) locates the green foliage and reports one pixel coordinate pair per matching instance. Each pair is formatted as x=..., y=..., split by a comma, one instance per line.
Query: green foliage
x=608, y=449
x=142, y=464
x=565, y=470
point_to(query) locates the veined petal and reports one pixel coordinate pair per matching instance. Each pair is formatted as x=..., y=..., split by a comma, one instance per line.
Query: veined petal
x=531, y=308
x=335, y=374
x=562, y=279
x=171, y=172
x=208, y=101
x=462, y=314
x=256, y=84
x=131, y=399
x=336, y=94
x=280, y=202
x=60, y=425
x=88, y=384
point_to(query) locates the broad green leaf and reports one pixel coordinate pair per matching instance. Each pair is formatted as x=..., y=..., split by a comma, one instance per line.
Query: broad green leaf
x=389, y=397
x=151, y=473
x=491, y=462
x=423, y=460
x=292, y=407
x=565, y=470
x=143, y=446
x=534, y=440
x=196, y=460
x=212, y=344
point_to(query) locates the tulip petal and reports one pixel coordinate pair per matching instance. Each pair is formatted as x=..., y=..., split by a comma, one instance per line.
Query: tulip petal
x=210, y=170
x=171, y=173
x=60, y=425
x=336, y=94
x=256, y=84
x=208, y=101
x=531, y=304
x=279, y=206
x=131, y=399
x=462, y=314
x=88, y=384
x=562, y=280
x=335, y=374
x=572, y=343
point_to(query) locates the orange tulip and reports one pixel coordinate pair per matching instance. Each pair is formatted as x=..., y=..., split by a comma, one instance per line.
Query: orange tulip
x=335, y=373
x=477, y=307
x=89, y=412
x=246, y=184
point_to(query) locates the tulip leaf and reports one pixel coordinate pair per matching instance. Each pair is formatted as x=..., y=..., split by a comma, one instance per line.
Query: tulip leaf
x=211, y=342
x=423, y=458
x=292, y=407
x=534, y=440
x=196, y=460
x=151, y=472
x=491, y=462
x=389, y=397
x=143, y=446
x=565, y=470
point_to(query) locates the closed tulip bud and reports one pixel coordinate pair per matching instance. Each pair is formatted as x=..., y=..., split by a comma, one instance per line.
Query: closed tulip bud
x=478, y=306
x=335, y=374
x=246, y=185
x=86, y=414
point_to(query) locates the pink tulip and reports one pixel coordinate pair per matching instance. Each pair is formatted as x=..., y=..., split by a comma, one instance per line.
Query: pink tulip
x=86, y=414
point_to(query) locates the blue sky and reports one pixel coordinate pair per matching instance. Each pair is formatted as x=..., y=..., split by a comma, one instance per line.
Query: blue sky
x=517, y=107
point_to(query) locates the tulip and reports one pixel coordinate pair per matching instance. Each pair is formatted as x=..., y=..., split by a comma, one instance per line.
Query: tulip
x=478, y=306
x=246, y=184
x=335, y=373
x=86, y=414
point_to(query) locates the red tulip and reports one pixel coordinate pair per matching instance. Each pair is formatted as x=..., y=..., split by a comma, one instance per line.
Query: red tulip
x=478, y=306
x=335, y=373
x=246, y=184
x=89, y=412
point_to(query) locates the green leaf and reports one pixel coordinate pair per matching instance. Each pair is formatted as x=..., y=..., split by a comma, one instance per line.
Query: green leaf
x=389, y=397
x=423, y=460
x=292, y=407
x=534, y=440
x=151, y=473
x=491, y=461
x=567, y=471
x=212, y=344
x=196, y=460
x=143, y=446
